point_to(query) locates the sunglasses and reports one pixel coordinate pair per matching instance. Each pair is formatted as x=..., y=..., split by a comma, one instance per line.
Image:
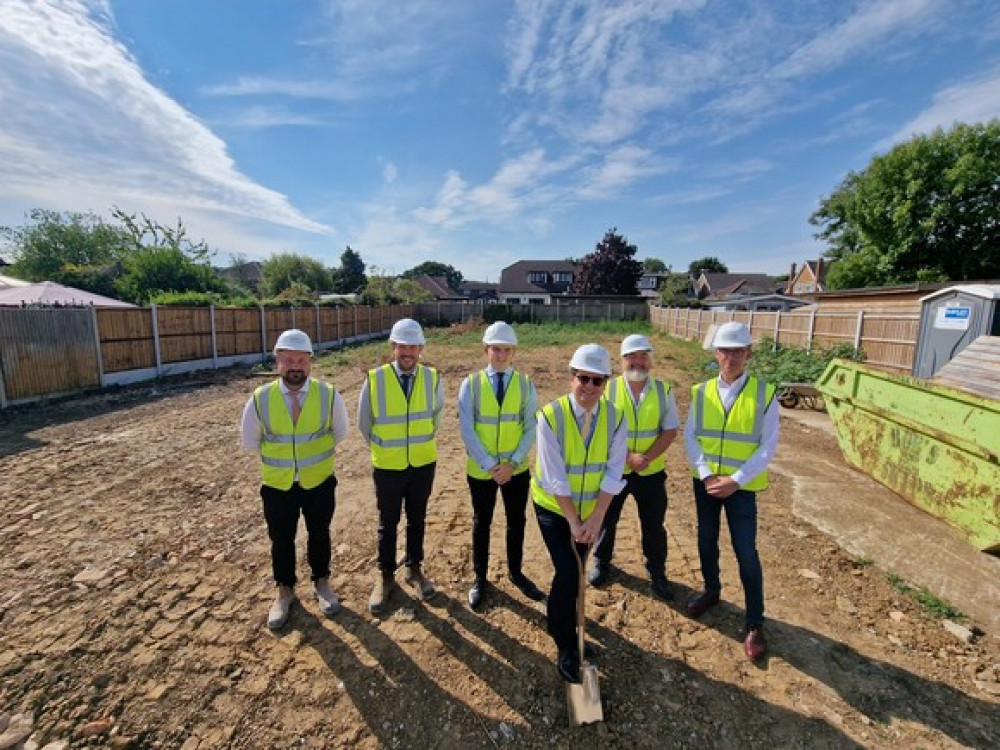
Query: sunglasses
x=596, y=380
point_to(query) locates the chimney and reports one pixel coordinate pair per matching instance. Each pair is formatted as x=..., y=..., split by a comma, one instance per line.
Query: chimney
x=819, y=271
x=791, y=280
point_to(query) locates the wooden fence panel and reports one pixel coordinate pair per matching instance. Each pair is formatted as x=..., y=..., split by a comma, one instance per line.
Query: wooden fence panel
x=237, y=331
x=185, y=333
x=126, y=339
x=276, y=320
x=890, y=340
x=47, y=351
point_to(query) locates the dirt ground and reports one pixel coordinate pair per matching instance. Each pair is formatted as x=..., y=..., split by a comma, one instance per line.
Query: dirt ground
x=136, y=579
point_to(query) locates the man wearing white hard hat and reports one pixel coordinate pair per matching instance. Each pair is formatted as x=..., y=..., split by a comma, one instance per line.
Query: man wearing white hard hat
x=294, y=423
x=398, y=414
x=496, y=414
x=652, y=423
x=581, y=455
x=730, y=437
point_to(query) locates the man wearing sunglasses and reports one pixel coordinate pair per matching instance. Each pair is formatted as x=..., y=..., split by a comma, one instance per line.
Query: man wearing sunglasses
x=581, y=455
x=651, y=419
x=730, y=437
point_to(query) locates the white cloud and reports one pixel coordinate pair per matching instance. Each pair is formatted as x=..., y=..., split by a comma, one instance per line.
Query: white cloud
x=976, y=100
x=389, y=173
x=80, y=118
x=862, y=33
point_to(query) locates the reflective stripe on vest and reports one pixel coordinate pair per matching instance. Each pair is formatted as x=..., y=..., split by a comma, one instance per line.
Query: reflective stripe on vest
x=643, y=423
x=499, y=427
x=402, y=428
x=728, y=439
x=585, y=465
x=287, y=448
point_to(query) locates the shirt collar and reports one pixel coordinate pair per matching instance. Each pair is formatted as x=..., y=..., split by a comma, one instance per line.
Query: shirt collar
x=738, y=383
x=286, y=391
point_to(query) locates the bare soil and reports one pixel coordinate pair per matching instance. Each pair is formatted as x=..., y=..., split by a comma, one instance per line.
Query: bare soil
x=136, y=580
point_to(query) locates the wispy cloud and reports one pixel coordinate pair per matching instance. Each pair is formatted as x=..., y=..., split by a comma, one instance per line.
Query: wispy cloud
x=78, y=111
x=976, y=100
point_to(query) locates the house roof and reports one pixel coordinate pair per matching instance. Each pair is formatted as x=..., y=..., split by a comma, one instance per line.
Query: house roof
x=438, y=286
x=514, y=278
x=722, y=285
x=57, y=295
x=477, y=286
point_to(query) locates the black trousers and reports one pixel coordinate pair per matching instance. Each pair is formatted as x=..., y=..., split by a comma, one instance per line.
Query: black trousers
x=515, y=503
x=395, y=491
x=282, y=509
x=650, y=493
x=560, y=609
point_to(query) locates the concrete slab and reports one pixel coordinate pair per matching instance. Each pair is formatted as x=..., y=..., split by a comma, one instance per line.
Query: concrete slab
x=869, y=520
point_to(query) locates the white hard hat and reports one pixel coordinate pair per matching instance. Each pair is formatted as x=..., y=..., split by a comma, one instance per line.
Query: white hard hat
x=407, y=331
x=591, y=358
x=501, y=334
x=732, y=336
x=636, y=343
x=294, y=340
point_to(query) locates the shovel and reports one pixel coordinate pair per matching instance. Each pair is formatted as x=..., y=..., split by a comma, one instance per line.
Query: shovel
x=584, y=699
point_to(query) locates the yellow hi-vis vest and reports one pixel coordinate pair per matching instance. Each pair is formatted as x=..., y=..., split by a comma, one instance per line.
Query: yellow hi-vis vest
x=287, y=448
x=585, y=465
x=498, y=426
x=402, y=429
x=729, y=439
x=643, y=423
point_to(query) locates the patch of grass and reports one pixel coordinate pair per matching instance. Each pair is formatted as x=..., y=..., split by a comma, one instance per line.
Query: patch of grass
x=929, y=601
x=542, y=334
x=863, y=562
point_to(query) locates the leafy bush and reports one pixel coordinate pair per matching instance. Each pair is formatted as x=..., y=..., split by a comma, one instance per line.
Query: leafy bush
x=791, y=364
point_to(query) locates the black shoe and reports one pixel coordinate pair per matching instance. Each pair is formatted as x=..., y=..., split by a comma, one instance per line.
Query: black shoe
x=476, y=593
x=698, y=605
x=568, y=665
x=590, y=651
x=527, y=587
x=661, y=587
x=598, y=575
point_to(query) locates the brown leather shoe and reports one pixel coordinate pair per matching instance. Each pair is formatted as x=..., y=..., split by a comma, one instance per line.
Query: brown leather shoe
x=385, y=582
x=698, y=605
x=754, y=644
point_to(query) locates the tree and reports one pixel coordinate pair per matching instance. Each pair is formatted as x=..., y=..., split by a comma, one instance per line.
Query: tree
x=433, y=268
x=282, y=270
x=711, y=264
x=391, y=290
x=155, y=269
x=928, y=210
x=675, y=290
x=350, y=277
x=610, y=269
x=77, y=249
x=654, y=265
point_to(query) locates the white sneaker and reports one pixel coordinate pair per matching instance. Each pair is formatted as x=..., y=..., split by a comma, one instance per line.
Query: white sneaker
x=329, y=604
x=280, y=611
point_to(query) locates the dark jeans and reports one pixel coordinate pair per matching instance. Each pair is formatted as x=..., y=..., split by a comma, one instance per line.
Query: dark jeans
x=281, y=512
x=560, y=610
x=650, y=493
x=396, y=490
x=741, y=515
x=515, y=503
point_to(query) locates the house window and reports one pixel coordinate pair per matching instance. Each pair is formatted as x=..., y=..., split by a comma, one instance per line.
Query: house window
x=562, y=277
x=537, y=277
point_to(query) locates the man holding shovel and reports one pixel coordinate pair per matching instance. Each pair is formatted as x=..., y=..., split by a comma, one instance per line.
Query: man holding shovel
x=581, y=441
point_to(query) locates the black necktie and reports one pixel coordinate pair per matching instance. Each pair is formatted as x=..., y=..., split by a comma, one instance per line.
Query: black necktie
x=499, y=388
x=405, y=380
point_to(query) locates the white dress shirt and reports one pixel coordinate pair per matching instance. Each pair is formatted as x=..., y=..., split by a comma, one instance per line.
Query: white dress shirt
x=550, y=471
x=760, y=458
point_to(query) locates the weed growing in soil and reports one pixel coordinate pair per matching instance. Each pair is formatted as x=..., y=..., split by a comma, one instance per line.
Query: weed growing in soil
x=931, y=603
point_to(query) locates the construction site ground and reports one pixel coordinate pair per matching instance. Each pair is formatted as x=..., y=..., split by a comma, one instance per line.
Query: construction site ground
x=136, y=579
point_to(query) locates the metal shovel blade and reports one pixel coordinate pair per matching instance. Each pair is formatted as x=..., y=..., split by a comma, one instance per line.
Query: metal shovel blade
x=584, y=699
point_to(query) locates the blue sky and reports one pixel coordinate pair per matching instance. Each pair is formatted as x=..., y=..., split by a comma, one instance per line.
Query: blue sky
x=477, y=133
